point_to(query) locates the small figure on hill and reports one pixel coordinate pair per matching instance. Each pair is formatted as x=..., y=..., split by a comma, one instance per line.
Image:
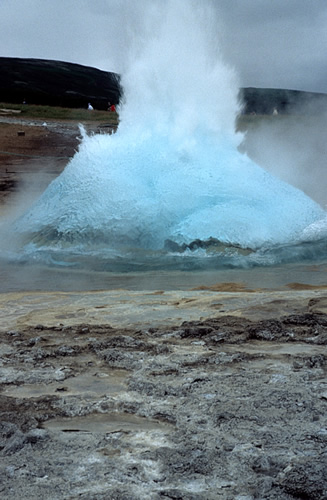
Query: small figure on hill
x=90, y=107
x=113, y=108
x=275, y=111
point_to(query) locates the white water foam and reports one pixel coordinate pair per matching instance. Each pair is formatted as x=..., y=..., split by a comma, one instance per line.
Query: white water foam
x=173, y=170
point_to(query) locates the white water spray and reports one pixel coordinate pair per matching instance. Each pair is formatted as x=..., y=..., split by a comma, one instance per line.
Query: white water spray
x=172, y=171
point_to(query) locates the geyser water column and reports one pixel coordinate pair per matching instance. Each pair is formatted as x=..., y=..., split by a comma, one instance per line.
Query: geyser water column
x=172, y=170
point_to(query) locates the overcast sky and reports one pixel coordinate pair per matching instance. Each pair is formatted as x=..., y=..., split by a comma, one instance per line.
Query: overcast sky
x=271, y=43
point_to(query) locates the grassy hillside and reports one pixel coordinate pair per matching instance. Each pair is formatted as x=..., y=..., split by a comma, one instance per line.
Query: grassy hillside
x=57, y=113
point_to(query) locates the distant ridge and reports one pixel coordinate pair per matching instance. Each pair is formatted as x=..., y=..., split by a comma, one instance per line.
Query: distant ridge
x=57, y=83
x=264, y=101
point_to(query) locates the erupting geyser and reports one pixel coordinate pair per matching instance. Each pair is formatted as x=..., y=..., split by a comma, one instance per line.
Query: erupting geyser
x=173, y=170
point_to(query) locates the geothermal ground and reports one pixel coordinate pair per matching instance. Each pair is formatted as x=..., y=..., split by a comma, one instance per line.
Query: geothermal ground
x=209, y=394
x=33, y=152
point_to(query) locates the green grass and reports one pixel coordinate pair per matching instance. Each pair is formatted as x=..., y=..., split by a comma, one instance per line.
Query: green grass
x=245, y=122
x=57, y=113
x=31, y=111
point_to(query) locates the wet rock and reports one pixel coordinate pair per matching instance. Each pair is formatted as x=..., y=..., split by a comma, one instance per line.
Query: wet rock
x=34, y=341
x=307, y=319
x=266, y=330
x=14, y=333
x=12, y=438
x=176, y=494
x=35, y=435
x=65, y=350
x=196, y=331
x=307, y=479
x=116, y=358
x=173, y=414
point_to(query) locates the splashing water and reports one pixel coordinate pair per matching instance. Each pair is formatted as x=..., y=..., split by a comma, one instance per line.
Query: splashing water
x=172, y=172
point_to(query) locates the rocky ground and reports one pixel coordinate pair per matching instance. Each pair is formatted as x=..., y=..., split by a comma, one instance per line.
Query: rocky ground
x=216, y=409
x=232, y=406
x=198, y=395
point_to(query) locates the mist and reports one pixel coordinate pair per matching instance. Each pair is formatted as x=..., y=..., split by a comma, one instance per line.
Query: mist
x=293, y=147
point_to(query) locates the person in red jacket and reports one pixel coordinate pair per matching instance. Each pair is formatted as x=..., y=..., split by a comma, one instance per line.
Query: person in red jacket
x=113, y=108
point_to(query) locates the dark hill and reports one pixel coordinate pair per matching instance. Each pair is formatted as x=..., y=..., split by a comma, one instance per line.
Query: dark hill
x=263, y=101
x=56, y=83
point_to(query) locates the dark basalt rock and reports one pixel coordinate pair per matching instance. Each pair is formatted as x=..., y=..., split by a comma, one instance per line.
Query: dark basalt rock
x=211, y=244
x=56, y=83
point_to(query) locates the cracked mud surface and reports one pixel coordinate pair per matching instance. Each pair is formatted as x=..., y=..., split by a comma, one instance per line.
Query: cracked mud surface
x=228, y=407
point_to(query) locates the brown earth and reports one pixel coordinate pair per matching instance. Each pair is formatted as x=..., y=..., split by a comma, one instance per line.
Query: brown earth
x=29, y=148
x=26, y=150
x=214, y=393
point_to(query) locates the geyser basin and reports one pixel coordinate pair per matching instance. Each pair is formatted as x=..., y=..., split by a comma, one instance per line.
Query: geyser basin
x=128, y=192
x=172, y=171
x=123, y=196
